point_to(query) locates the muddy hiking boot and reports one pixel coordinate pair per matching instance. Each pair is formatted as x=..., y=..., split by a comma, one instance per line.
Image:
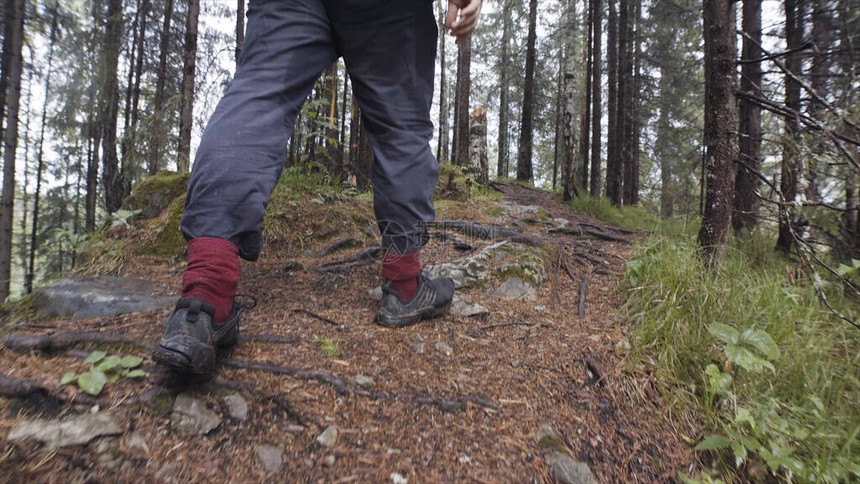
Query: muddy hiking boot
x=433, y=299
x=190, y=339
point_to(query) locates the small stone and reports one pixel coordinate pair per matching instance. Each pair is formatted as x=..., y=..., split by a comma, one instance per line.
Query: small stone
x=569, y=471
x=294, y=429
x=77, y=430
x=375, y=293
x=308, y=462
x=328, y=437
x=622, y=347
x=272, y=457
x=515, y=289
x=540, y=308
x=237, y=407
x=418, y=347
x=397, y=478
x=168, y=472
x=107, y=445
x=461, y=307
x=191, y=416
x=137, y=442
x=464, y=459
x=328, y=461
x=364, y=381
x=444, y=348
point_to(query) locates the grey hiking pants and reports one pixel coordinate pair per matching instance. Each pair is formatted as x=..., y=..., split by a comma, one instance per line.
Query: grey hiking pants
x=389, y=47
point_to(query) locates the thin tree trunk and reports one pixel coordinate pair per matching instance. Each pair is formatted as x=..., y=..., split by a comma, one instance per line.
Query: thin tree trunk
x=464, y=84
x=613, y=162
x=160, y=133
x=330, y=81
x=635, y=102
x=571, y=181
x=596, y=99
x=585, y=117
x=186, y=108
x=342, y=134
x=240, y=28
x=721, y=121
x=13, y=41
x=110, y=175
x=132, y=112
x=442, y=146
x=791, y=162
x=746, y=202
x=557, y=141
x=661, y=147
x=23, y=253
x=504, y=109
x=524, y=157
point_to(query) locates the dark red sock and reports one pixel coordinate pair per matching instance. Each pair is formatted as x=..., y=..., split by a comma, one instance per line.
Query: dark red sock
x=212, y=274
x=402, y=271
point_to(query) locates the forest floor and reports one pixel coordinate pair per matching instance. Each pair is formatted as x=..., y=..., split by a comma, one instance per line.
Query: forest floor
x=451, y=399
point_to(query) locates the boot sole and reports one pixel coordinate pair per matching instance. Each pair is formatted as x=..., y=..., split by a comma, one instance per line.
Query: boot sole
x=187, y=355
x=404, y=321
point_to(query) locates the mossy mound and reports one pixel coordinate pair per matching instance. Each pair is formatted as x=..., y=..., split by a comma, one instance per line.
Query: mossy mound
x=454, y=184
x=156, y=193
x=524, y=262
x=169, y=241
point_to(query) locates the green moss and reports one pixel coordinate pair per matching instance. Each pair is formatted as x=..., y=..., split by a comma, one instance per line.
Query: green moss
x=156, y=193
x=327, y=346
x=525, y=263
x=453, y=183
x=169, y=242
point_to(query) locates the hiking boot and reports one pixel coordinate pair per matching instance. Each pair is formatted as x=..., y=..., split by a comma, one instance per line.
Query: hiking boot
x=190, y=339
x=433, y=299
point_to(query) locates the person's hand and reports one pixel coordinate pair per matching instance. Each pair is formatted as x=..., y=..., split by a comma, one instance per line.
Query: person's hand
x=468, y=12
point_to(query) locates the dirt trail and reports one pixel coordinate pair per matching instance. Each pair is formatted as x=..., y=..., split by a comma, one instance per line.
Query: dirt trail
x=454, y=399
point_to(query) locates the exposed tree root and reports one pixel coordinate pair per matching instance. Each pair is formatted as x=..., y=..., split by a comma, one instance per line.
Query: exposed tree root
x=370, y=254
x=338, y=245
x=316, y=316
x=485, y=232
x=61, y=341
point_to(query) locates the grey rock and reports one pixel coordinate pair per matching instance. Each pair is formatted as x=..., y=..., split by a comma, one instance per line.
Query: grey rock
x=464, y=308
x=237, y=407
x=523, y=210
x=328, y=437
x=328, y=461
x=137, y=442
x=570, y=471
x=294, y=429
x=168, y=473
x=444, y=348
x=77, y=430
x=191, y=416
x=99, y=296
x=364, y=381
x=540, y=308
x=418, y=347
x=515, y=289
x=469, y=270
x=272, y=457
x=375, y=293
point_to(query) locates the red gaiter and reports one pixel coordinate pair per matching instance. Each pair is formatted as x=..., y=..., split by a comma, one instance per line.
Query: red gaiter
x=402, y=271
x=212, y=274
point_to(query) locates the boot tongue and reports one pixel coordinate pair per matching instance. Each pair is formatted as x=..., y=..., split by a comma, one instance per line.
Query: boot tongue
x=193, y=313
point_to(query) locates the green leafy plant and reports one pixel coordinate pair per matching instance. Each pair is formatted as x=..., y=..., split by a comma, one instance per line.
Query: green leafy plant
x=327, y=346
x=104, y=369
x=741, y=347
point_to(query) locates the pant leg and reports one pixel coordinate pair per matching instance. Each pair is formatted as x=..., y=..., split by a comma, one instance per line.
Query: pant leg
x=389, y=47
x=243, y=149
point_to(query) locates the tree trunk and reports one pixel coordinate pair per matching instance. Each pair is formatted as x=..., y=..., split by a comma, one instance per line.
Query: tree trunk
x=613, y=162
x=721, y=121
x=822, y=43
x=585, y=119
x=442, y=146
x=557, y=141
x=13, y=41
x=112, y=44
x=342, y=135
x=524, y=157
x=464, y=85
x=635, y=103
x=661, y=147
x=160, y=133
x=502, y=170
x=596, y=99
x=746, y=202
x=791, y=162
x=132, y=105
x=186, y=108
x=330, y=80
x=571, y=182
x=240, y=28
x=623, y=101
x=23, y=242
x=478, y=144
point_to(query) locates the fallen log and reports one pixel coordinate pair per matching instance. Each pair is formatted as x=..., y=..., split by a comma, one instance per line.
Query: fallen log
x=485, y=232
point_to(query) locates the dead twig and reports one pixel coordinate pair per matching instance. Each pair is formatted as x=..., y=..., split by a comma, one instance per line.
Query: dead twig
x=303, y=374
x=370, y=254
x=338, y=245
x=316, y=316
x=269, y=338
x=583, y=288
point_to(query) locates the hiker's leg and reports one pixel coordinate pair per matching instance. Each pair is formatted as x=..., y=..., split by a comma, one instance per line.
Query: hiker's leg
x=390, y=50
x=242, y=151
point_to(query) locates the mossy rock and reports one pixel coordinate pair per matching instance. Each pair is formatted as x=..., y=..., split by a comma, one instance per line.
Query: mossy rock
x=156, y=193
x=169, y=241
x=454, y=184
x=526, y=263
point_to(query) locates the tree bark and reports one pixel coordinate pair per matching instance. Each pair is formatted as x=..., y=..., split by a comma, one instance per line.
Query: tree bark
x=186, y=108
x=132, y=106
x=635, y=103
x=661, y=147
x=571, y=183
x=746, y=202
x=613, y=162
x=585, y=119
x=13, y=41
x=721, y=121
x=444, y=125
x=160, y=133
x=240, y=28
x=502, y=169
x=464, y=85
x=524, y=157
x=596, y=99
x=110, y=93
x=478, y=144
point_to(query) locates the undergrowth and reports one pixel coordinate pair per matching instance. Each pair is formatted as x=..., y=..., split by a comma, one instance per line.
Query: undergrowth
x=749, y=356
